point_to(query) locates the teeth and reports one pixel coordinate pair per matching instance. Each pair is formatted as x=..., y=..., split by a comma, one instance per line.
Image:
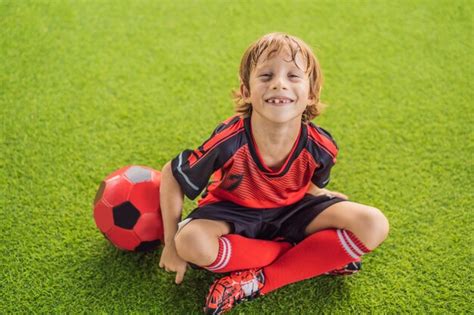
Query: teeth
x=277, y=101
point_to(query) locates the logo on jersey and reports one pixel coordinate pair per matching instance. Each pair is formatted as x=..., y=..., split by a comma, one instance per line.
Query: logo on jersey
x=231, y=182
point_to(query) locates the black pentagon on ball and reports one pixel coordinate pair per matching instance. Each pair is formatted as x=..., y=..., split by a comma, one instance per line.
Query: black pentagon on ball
x=126, y=215
x=138, y=174
x=147, y=246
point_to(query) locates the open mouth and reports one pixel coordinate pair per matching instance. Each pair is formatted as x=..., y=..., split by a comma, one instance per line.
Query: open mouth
x=276, y=101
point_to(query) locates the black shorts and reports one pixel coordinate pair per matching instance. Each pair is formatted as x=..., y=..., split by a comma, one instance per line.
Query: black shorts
x=287, y=222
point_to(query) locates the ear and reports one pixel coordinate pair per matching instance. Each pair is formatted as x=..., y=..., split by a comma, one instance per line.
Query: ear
x=311, y=100
x=245, y=93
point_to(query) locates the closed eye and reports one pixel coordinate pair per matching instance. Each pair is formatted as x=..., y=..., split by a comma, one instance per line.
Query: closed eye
x=269, y=75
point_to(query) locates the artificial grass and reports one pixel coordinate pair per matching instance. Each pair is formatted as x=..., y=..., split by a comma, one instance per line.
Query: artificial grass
x=87, y=87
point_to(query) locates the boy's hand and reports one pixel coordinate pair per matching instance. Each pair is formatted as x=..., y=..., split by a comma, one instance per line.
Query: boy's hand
x=336, y=194
x=316, y=191
x=172, y=262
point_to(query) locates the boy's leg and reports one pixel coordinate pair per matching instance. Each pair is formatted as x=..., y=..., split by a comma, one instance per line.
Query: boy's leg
x=368, y=223
x=320, y=252
x=197, y=241
x=237, y=253
x=206, y=243
x=339, y=235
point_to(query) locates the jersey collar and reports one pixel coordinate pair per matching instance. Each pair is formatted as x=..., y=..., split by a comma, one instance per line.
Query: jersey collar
x=300, y=143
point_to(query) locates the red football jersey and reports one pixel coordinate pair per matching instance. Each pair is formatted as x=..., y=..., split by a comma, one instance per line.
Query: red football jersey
x=231, y=157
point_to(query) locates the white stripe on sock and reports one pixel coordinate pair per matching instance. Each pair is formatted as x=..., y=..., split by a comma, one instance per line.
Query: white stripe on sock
x=229, y=253
x=226, y=253
x=345, y=245
x=353, y=245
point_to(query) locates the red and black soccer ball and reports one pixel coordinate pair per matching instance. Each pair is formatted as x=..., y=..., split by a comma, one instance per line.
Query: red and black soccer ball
x=127, y=208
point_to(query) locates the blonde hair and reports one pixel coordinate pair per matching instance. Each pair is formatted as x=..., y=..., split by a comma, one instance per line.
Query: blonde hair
x=274, y=42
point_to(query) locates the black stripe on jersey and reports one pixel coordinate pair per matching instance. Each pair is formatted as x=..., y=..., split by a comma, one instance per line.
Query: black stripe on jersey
x=321, y=147
x=325, y=161
x=223, y=126
x=195, y=155
x=299, y=147
x=326, y=133
x=194, y=179
x=319, y=153
x=201, y=150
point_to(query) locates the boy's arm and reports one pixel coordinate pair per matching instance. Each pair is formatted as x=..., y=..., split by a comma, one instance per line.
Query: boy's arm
x=171, y=203
x=315, y=190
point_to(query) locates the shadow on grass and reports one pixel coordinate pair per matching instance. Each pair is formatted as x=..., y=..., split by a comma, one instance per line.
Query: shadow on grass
x=313, y=296
x=118, y=281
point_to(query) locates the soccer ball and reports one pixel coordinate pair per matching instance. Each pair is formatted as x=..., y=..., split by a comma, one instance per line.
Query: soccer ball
x=127, y=208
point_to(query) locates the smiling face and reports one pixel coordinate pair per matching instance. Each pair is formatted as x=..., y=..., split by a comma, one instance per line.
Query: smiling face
x=279, y=87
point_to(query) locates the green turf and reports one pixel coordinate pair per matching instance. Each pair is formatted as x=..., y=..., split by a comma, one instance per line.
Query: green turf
x=87, y=87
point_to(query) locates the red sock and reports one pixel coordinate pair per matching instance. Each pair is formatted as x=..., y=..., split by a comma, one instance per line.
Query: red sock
x=237, y=252
x=318, y=253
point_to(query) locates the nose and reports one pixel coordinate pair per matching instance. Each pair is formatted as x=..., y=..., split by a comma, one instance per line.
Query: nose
x=279, y=82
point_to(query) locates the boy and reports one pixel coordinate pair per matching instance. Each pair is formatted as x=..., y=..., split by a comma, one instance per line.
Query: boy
x=265, y=216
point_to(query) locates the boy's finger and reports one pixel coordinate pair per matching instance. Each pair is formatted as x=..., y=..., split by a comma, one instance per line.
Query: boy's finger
x=179, y=277
x=340, y=195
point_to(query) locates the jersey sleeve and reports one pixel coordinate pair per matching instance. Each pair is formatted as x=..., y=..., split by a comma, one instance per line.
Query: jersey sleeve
x=321, y=175
x=193, y=168
x=325, y=152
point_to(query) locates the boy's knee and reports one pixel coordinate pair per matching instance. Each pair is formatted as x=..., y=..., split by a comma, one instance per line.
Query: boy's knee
x=192, y=243
x=375, y=221
x=184, y=240
x=384, y=225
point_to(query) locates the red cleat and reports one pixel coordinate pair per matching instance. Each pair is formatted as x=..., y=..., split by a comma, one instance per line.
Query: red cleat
x=233, y=289
x=349, y=269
